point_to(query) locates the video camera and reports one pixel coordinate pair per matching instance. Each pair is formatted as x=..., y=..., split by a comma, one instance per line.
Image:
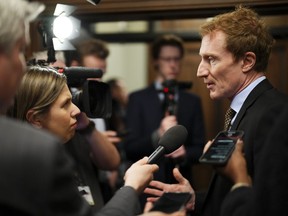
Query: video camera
x=90, y=96
x=171, y=84
x=169, y=88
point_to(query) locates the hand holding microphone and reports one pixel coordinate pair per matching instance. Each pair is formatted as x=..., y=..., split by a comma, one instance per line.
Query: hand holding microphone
x=141, y=172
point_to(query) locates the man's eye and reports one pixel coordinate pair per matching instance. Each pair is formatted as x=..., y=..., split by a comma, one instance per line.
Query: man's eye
x=211, y=59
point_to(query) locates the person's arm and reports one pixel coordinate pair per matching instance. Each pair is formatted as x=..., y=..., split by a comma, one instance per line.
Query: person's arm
x=112, y=137
x=239, y=200
x=125, y=201
x=104, y=153
x=236, y=168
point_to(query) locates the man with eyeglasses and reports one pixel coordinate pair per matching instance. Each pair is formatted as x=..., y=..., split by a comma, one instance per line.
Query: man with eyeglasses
x=163, y=104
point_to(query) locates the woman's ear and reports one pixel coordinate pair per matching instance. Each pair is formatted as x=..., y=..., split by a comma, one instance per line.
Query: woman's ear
x=34, y=118
x=248, y=61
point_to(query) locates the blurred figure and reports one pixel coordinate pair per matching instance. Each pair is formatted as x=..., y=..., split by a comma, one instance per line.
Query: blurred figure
x=153, y=110
x=91, y=53
x=149, y=115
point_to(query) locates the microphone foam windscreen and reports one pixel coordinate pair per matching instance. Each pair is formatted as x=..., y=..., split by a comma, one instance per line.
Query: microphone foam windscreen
x=173, y=138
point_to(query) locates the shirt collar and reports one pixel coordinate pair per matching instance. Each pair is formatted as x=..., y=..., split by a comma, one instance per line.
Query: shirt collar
x=158, y=85
x=240, y=98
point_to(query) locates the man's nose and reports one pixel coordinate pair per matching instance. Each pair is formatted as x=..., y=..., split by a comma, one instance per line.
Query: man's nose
x=202, y=70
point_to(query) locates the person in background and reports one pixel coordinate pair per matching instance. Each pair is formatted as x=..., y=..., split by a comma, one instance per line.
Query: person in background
x=151, y=112
x=163, y=104
x=91, y=53
x=234, y=52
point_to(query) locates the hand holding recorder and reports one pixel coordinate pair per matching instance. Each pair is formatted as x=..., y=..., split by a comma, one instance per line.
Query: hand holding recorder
x=221, y=147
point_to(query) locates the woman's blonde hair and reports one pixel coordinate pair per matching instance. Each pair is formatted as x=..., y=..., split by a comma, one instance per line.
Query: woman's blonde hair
x=39, y=88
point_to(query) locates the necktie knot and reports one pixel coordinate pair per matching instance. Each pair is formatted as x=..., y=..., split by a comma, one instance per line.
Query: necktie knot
x=230, y=113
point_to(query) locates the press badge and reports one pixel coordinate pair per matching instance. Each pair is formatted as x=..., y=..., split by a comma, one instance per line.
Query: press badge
x=86, y=194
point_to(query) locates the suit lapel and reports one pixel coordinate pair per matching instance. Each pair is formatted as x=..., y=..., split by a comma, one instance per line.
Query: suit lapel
x=262, y=87
x=154, y=103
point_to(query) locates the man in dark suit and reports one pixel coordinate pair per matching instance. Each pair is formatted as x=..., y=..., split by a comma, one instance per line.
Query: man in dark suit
x=235, y=50
x=163, y=104
x=233, y=66
x=36, y=174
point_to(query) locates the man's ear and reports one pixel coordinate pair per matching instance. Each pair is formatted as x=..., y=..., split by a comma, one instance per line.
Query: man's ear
x=33, y=118
x=249, y=61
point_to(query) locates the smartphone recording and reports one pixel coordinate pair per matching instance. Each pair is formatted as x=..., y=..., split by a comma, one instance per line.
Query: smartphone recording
x=221, y=148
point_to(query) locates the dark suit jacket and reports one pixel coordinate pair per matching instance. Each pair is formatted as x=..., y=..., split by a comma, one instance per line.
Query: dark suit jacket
x=269, y=195
x=260, y=108
x=144, y=115
x=37, y=178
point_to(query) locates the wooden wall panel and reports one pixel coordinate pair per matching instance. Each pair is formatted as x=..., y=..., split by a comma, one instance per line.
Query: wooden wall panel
x=156, y=9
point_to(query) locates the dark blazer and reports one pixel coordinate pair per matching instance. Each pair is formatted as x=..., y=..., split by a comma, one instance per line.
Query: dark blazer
x=144, y=115
x=270, y=189
x=37, y=178
x=260, y=108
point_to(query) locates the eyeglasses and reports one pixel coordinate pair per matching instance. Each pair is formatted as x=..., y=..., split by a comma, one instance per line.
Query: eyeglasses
x=170, y=59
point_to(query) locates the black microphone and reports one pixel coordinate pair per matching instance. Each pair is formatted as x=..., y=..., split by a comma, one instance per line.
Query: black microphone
x=171, y=140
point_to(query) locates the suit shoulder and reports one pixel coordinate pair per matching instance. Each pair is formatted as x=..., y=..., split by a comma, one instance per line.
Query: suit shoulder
x=142, y=92
x=274, y=97
x=19, y=133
